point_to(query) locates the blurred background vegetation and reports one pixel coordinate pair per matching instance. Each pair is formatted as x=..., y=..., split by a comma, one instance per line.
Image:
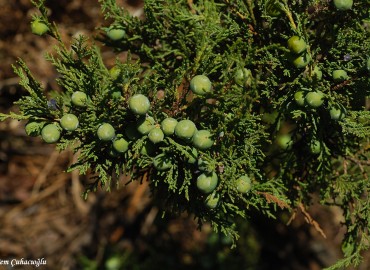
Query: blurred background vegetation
x=42, y=214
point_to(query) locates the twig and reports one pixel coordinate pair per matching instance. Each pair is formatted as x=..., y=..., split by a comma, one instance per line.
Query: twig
x=148, y=223
x=136, y=201
x=32, y=200
x=81, y=205
x=9, y=82
x=311, y=221
x=190, y=4
x=271, y=198
x=44, y=173
x=292, y=217
x=360, y=164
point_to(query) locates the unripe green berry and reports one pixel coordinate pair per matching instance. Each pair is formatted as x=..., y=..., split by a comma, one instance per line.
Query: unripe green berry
x=168, y=126
x=343, y=4
x=139, y=104
x=33, y=129
x=69, y=122
x=79, y=99
x=120, y=145
x=317, y=73
x=202, y=139
x=200, y=85
x=302, y=60
x=156, y=135
x=113, y=263
x=336, y=113
x=50, y=133
x=106, y=132
x=114, y=72
x=299, y=98
x=145, y=125
x=315, y=99
x=315, y=147
x=340, y=75
x=212, y=200
x=39, y=28
x=284, y=141
x=243, y=184
x=243, y=77
x=115, y=33
x=185, y=129
x=207, y=182
x=296, y=45
x=162, y=162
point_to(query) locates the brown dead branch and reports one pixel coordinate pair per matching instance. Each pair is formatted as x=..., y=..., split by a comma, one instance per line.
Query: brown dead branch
x=273, y=199
x=33, y=200
x=311, y=221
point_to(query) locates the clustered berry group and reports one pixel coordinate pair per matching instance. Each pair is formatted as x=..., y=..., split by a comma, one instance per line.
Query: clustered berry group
x=183, y=130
